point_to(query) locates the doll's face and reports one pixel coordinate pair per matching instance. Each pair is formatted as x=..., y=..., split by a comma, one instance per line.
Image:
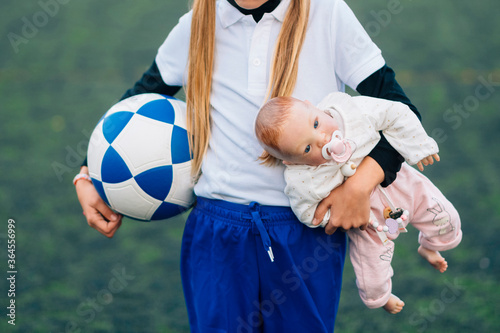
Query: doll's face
x=306, y=131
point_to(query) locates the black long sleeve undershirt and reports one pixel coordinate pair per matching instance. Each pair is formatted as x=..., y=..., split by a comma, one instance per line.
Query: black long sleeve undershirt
x=151, y=82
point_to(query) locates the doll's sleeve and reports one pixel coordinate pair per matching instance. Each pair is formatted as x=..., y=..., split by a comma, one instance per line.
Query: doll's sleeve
x=400, y=126
x=306, y=187
x=383, y=84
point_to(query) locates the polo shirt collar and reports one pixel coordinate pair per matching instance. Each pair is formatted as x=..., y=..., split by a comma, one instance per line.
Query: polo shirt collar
x=229, y=15
x=280, y=11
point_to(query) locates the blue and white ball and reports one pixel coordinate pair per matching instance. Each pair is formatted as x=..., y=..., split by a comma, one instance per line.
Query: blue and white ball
x=139, y=160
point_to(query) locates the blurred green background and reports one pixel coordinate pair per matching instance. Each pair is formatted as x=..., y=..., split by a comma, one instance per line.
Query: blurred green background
x=64, y=63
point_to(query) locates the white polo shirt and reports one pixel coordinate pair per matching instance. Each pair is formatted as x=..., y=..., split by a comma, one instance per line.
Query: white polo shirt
x=336, y=51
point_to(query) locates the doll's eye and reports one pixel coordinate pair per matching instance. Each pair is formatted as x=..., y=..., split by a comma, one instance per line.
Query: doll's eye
x=308, y=149
x=315, y=124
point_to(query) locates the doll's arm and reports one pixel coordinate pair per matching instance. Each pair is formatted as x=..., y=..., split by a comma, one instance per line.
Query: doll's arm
x=401, y=128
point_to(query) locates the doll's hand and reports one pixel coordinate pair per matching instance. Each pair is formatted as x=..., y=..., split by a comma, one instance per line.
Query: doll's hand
x=427, y=160
x=99, y=216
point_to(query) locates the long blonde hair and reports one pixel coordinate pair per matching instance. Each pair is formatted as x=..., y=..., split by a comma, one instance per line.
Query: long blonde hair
x=201, y=60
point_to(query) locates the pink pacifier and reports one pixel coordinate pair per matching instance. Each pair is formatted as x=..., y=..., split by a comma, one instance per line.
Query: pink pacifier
x=338, y=149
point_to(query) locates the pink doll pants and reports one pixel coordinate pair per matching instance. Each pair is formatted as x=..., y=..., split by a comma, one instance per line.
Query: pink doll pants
x=429, y=211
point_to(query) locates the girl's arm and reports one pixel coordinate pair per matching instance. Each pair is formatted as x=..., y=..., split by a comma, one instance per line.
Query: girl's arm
x=151, y=82
x=353, y=196
x=99, y=216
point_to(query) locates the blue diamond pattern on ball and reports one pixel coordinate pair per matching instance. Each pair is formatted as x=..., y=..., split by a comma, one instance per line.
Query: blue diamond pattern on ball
x=167, y=210
x=180, y=146
x=161, y=110
x=114, y=124
x=156, y=182
x=114, y=169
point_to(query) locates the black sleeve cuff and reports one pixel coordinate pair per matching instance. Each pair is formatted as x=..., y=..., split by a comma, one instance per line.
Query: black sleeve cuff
x=151, y=82
x=383, y=84
x=388, y=158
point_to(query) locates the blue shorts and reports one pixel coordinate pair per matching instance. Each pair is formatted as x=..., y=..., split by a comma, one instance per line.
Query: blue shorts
x=232, y=285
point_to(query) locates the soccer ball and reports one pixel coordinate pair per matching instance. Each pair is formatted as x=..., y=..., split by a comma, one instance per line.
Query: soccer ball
x=139, y=159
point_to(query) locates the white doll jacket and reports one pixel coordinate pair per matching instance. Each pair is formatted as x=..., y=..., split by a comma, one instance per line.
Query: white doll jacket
x=362, y=119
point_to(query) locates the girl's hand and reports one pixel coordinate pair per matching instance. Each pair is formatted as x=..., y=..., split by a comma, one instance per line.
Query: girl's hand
x=349, y=203
x=427, y=160
x=99, y=215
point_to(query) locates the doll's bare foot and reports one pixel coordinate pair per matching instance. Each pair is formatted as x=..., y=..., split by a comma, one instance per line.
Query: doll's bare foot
x=394, y=304
x=434, y=258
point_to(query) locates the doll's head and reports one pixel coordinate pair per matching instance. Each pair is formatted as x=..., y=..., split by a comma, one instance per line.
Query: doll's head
x=293, y=131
